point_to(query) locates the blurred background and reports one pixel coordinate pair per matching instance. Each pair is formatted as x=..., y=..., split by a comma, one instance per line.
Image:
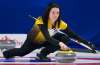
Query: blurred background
x=83, y=16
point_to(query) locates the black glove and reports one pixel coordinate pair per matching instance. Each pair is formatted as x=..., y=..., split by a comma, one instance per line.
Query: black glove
x=92, y=47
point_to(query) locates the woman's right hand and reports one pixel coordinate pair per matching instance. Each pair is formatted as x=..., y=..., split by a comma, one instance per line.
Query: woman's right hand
x=63, y=46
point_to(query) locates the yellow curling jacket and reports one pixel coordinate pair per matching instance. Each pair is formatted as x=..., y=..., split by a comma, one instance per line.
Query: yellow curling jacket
x=39, y=36
x=40, y=33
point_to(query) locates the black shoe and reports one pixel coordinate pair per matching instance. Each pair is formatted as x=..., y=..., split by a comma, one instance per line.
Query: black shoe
x=40, y=57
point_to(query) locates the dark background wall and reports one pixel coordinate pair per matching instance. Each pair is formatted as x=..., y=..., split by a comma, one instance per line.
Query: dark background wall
x=83, y=16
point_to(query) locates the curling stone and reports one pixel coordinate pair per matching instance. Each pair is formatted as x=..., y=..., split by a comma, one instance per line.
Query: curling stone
x=65, y=56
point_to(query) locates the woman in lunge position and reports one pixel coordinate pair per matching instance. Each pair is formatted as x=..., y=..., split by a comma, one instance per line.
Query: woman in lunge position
x=45, y=33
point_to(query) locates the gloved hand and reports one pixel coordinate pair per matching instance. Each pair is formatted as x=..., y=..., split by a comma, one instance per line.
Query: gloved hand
x=92, y=47
x=88, y=45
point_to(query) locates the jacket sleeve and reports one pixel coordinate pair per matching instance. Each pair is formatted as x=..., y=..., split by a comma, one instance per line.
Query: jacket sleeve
x=79, y=39
x=73, y=35
x=47, y=36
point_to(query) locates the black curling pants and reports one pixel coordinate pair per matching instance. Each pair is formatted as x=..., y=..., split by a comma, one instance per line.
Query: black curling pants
x=29, y=45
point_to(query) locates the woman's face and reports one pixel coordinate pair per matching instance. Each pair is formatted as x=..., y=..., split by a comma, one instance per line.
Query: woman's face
x=54, y=14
